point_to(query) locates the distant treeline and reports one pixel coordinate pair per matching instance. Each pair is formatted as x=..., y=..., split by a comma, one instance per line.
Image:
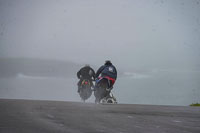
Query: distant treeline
x=11, y=67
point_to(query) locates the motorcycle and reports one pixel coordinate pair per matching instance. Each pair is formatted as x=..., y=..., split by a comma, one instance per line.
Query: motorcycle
x=85, y=91
x=109, y=99
x=102, y=91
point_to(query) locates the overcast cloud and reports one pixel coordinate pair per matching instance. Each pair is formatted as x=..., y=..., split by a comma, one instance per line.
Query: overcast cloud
x=131, y=33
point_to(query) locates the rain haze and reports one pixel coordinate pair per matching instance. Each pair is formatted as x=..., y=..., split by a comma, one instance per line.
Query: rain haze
x=154, y=45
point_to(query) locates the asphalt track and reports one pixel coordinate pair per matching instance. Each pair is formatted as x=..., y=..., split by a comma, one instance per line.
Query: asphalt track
x=32, y=116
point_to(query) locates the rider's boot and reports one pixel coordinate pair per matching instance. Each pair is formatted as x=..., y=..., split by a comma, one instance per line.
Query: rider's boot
x=93, y=88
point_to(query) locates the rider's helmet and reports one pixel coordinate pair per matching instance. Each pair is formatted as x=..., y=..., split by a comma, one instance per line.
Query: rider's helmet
x=87, y=65
x=108, y=62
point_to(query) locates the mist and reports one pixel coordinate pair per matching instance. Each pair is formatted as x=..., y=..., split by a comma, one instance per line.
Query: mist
x=153, y=44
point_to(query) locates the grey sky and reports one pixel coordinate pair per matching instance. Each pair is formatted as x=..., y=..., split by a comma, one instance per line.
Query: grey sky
x=132, y=33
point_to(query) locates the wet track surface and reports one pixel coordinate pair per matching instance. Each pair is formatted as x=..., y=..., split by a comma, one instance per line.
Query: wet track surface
x=32, y=116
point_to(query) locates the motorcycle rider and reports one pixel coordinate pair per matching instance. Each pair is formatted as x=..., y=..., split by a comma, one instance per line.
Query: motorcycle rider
x=108, y=71
x=85, y=72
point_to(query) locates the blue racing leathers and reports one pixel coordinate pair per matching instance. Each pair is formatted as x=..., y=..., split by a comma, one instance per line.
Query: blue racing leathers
x=107, y=70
